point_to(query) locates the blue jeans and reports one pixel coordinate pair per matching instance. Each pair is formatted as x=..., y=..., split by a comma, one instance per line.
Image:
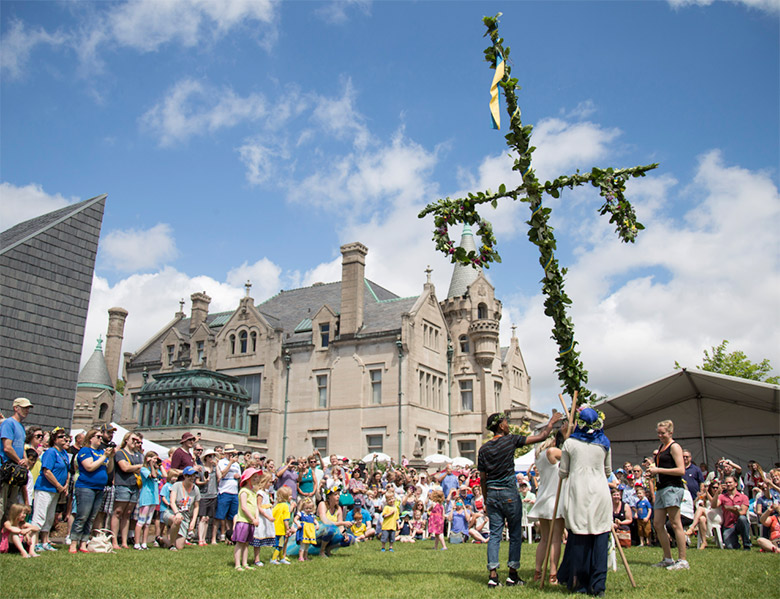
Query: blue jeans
x=504, y=505
x=88, y=502
x=742, y=529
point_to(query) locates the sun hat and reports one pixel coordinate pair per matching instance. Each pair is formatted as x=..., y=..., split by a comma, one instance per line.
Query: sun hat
x=229, y=448
x=186, y=437
x=247, y=474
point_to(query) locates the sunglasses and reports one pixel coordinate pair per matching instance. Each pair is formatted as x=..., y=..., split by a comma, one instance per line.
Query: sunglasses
x=38, y=435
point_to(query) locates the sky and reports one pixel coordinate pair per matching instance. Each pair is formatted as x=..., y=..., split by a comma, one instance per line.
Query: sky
x=249, y=139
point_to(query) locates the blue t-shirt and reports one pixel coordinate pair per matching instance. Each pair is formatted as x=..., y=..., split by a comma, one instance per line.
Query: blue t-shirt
x=12, y=429
x=460, y=522
x=57, y=461
x=165, y=493
x=642, y=508
x=149, y=489
x=448, y=483
x=96, y=479
x=348, y=517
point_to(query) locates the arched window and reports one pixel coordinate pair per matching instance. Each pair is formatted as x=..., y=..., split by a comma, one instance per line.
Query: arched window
x=464, y=344
x=103, y=410
x=232, y=344
x=253, y=336
x=482, y=312
x=242, y=339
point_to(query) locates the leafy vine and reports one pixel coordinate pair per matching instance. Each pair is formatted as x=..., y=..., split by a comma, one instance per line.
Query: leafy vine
x=611, y=183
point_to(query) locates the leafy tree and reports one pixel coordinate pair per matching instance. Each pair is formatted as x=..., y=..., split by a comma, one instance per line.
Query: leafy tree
x=735, y=363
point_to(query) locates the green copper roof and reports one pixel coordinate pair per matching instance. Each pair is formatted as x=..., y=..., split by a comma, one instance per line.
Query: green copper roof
x=190, y=381
x=95, y=372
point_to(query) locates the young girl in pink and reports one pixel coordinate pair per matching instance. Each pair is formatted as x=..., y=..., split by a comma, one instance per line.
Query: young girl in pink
x=436, y=520
x=16, y=532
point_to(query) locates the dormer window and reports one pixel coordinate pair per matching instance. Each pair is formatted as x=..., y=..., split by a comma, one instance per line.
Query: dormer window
x=171, y=354
x=324, y=334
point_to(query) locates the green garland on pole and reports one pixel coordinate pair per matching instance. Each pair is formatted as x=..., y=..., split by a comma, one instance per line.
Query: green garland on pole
x=610, y=182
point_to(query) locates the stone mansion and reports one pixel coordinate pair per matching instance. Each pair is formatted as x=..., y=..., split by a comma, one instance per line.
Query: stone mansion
x=345, y=367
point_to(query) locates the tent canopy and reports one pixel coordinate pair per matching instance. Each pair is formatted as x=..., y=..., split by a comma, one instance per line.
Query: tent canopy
x=714, y=416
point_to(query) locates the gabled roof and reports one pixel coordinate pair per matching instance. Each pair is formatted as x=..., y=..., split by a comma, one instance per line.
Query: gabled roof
x=290, y=309
x=20, y=233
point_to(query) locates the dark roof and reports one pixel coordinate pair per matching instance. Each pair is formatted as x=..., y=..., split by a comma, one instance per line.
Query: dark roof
x=18, y=233
x=288, y=308
x=95, y=372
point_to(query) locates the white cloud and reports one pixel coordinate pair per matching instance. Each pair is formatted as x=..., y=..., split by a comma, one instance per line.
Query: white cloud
x=632, y=325
x=335, y=11
x=261, y=160
x=148, y=24
x=18, y=204
x=264, y=275
x=135, y=249
x=340, y=118
x=770, y=6
x=17, y=43
x=151, y=301
x=582, y=111
x=191, y=108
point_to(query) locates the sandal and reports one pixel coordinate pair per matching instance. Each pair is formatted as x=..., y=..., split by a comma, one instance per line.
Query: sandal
x=553, y=580
x=537, y=575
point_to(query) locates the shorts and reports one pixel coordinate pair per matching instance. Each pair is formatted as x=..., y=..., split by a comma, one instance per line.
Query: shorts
x=145, y=515
x=643, y=529
x=279, y=542
x=243, y=532
x=227, y=506
x=108, y=499
x=208, y=508
x=668, y=497
x=126, y=494
x=167, y=517
x=388, y=536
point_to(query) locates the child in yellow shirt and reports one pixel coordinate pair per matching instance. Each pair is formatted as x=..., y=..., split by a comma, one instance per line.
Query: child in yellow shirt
x=282, y=529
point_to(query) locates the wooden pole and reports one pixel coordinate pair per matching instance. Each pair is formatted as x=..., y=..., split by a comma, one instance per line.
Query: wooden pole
x=623, y=557
x=557, y=494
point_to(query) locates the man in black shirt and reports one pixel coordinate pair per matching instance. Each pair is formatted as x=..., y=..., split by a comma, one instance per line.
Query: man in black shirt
x=496, y=464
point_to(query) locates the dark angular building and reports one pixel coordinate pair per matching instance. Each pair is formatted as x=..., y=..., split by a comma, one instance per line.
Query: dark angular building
x=46, y=269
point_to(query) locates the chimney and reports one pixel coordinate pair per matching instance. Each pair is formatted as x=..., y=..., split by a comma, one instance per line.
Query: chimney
x=353, y=268
x=114, y=336
x=200, y=309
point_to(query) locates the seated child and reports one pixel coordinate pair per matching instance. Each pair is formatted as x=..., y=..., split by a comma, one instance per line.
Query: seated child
x=405, y=530
x=360, y=529
x=17, y=534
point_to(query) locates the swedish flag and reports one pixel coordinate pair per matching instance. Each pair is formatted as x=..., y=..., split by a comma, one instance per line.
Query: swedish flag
x=495, y=115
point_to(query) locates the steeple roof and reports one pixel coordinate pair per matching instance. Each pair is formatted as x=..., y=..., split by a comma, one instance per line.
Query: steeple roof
x=95, y=372
x=462, y=275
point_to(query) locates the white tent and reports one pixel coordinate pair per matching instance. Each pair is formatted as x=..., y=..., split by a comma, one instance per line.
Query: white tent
x=525, y=461
x=120, y=433
x=714, y=416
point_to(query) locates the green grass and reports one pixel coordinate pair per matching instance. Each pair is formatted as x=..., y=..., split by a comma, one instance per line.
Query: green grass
x=413, y=571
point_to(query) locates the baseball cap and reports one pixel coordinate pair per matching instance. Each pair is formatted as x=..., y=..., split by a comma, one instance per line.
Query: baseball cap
x=189, y=471
x=22, y=402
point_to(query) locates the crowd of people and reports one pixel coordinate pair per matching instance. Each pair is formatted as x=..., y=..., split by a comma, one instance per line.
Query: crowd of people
x=309, y=505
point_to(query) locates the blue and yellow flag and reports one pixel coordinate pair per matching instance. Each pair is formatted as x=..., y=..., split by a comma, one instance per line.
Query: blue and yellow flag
x=495, y=115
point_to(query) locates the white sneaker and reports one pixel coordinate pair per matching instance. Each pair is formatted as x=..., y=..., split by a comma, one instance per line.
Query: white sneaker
x=665, y=563
x=680, y=564
x=138, y=547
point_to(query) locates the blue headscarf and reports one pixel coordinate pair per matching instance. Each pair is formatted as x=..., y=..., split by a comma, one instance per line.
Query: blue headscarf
x=589, y=425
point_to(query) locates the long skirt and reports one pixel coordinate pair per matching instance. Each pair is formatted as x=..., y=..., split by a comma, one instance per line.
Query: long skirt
x=584, y=565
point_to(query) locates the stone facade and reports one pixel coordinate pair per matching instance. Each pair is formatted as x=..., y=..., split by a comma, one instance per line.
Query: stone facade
x=346, y=367
x=46, y=270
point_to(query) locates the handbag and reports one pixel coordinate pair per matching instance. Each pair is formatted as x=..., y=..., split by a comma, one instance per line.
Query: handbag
x=14, y=474
x=624, y=537
x=346, y=499
x=138, y=480
x=101, y=542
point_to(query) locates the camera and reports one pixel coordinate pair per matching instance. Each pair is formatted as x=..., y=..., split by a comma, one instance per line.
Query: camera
x=111, y=445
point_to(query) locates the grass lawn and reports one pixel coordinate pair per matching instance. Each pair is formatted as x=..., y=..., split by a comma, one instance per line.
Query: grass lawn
x=414, y=571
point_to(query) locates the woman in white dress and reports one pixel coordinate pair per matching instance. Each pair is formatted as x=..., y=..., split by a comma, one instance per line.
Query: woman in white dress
x=586, y=461
x=548, y=457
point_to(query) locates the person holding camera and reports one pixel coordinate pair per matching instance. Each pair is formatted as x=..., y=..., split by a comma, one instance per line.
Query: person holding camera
x=95, y=464
x=287, y=476
x=148, y=498
x=771, y=520
x=228, y=475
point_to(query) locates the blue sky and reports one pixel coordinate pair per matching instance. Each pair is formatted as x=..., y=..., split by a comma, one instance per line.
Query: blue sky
x=248, y=140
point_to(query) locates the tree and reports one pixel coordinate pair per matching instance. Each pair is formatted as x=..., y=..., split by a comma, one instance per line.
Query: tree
x=735, y=363
x=610, y=182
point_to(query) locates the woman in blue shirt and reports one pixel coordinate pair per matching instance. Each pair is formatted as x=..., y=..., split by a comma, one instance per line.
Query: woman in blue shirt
x=52, y=481
x=94, y=466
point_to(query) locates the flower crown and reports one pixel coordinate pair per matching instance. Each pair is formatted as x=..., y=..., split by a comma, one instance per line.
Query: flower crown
x=590, y=427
